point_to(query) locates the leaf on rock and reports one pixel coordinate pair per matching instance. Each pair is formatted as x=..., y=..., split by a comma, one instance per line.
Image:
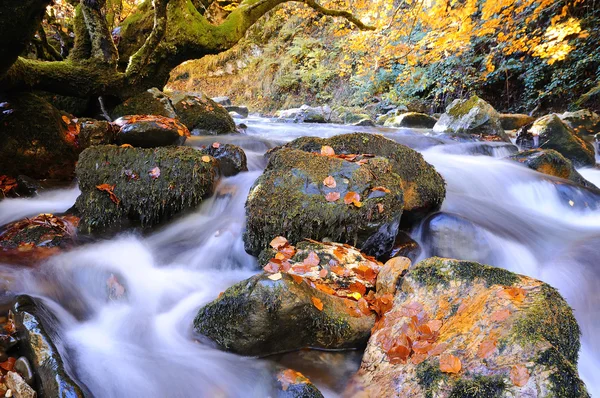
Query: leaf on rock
x=325, y=289
x=278, y=242
x=486, y=348
x=500, y=315
x=352, y=198
x=329, y=182
x=380, y=208
x=512, y=293
x=450, y=364
x=398, y=354
x=289, y=377
x=216, y=145
x=154, y=173
x=109, y=189
x=355, y=295
x=381, y=189
x=317, y=303
x=66, y=119
x=271, y=267
x=358, y=288
x=519, y=375
x=332, y=196
x=275, y=277
x=297, y=278
x=312, y=260
x=206, y=159
x=323, y=273
x=326, y=150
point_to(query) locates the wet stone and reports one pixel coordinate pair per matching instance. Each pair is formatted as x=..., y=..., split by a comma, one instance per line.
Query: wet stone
x=148, y=131
x=18, y=387
x=24, y=368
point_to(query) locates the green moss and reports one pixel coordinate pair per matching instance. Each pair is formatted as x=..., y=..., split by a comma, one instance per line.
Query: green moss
x=464, y=107
x=479, y=387
x=550, y=318
x=435, y=271
x=563, y=377
x=429, y=377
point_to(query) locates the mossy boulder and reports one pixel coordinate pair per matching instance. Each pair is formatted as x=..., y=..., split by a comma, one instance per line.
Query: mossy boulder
x=202, y=115
x=150, y=102
x=150, y=131
x=35, y=140
x=412, y=120
x=123, y=187
x=231, y=158
x=278, y=312
x=463, y=329
x=40, y=341
x=291, y=199
x=510, y=121
x=72, y=105
x=583, y=122
x=424, y=189
x=96, y=132
x=552, y=163
x=555, y=134
x=472, y=118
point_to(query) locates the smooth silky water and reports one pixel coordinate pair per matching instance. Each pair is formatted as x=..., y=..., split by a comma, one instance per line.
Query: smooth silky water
x=142, y=344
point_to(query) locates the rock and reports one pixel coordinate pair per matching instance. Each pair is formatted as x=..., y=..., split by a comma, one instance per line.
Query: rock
x=584, y=122
x=450, y=235
x=462, y=329
x=202, y=115
x=552, y=163
x=27, y=187
x=140, y=186
x=150, y=102
x=291, y=198
x=381, y=119
x=36, y=141
x=411, y=120
x=231, y=158
x=39, y=332
x=344, y=115
x=424, y=189
x=364, y=123
x=514, y=121
x=472, y=117
x=391, y=273
x=18, y=387
x=284, y=311
x=242, y=111
x=72, y=105
x=225, y=101
x=405, y=246
x=24, y=368
x=96, y=132
x=150, y=131
x=554, y=134
x=292, y=384
x=306, y=114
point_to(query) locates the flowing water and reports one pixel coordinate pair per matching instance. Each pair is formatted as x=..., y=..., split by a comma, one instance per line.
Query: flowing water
x=142, y=344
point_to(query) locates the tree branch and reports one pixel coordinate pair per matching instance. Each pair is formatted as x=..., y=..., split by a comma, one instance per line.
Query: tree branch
x=103, y=47
x=338, y=13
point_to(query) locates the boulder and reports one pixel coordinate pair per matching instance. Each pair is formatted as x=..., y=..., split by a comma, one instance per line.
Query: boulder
x=424, y=189
x=96, y=132
x=367, y=122
x=292, y=384
x=412, y=120
x=550, y=162
x=150, y=102
x=306, y=195
x=584, y=122
x=18, y=386
x=241, y=111
x=71, y=105
x=202, y=115
x=472, y=118
x=405, y=246
x=306, y=114
x=305, y=299
x=36, y=139
x=463, y=329
x=150, y=131
x=554, y=134
x=450, y=235
x=344, y=115
x=39, y=334
x=381, y=119
x=224, y=101
x=230, y=158
x=133, y=186
x=514, y=121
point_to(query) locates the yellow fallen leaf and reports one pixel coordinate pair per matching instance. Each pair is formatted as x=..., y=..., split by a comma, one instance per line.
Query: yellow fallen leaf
x=275, y=277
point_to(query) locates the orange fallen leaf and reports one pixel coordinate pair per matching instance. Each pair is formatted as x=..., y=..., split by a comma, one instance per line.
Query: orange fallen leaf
x=289, y=377
x=278, y=242
x=323, y=273
x=206, y=159
x=216, y=145
x=398, y=354
x=325, y=289
x=298, y=279
x=381, y=189
x=380, y=208
x=326, y=150
x=317, y=303
x=500, y=315
x=312, y=260
x=450, y=364
x=519, y=375
x=329, y=182
x=66, y=119
x=486, y=348
x=332, y=196
x=271, y=267
x=126, y=146
x=358, y=288
x=512, y=293
x=109, y=189
x=353, y=198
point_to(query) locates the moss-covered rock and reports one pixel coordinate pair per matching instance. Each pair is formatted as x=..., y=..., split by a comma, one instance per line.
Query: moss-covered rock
x=148, y=185
x=273, y=313
x=150, y=131
x=150, y=102
x=510, y=121
x=96, y=132
x=424, y=189
x=470, y=330
x=584, y=122
x=473, y=117
x=202, y=115
x=554, y=134
x=552, y=163
x=72, y=105
x=411, y=120
x=34, y=138
x=231, y=158
x=40, y=340
x=291, y=199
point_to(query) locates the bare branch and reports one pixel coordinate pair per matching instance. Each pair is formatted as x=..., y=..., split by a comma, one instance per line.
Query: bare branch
x=338, y=13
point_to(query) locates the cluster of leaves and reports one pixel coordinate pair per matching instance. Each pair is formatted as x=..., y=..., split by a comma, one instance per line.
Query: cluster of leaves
x=7, y=185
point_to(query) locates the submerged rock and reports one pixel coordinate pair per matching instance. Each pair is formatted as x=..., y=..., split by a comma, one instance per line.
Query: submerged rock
x=37, y=140
x=150, y=102
x=462, y=329
x=39, y=333
x=552, y=163
x=424, y=189
x=231, y=158
x=202, y=115
x=149, y=131
x=412, y=120
x=554, y=134
x=514, y=121
x=472, y=117
x=306, y=195
x=301, y=302
x=132, y=186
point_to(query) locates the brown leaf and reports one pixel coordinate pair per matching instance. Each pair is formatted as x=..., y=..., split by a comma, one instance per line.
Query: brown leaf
x=352, y=198
x=380, y=208
x=301, y=268
x=154, y=173
x=312, y=260
x=326, y=150
x=271, y=267
x=298, y=279
x=109, y=189
x=512, y=293
x=216, y=145
x=323, y=273
x=398, y=354
x=278, y=242
x=486, y=348
x=288, y=251
x=325, y=289
x=329, y=182
x=289, y=377
x=519, y=375
x=317, y=303
x=450, y=364
x=358, y=288
x=363, y=306
x=500, y=315
x=332, y=196
x=381, y=189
